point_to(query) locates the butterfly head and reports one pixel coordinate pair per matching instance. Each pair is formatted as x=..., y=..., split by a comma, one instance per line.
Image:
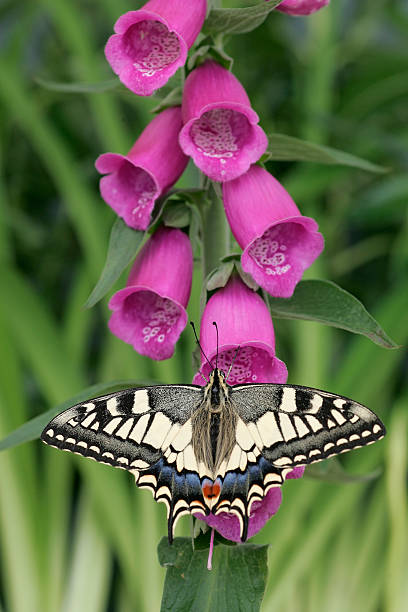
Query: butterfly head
x=217, y=388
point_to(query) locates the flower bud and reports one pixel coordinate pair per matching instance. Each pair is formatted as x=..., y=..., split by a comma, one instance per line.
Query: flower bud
x=243, y=321
x=154, y=163
x=301, y=7
x=278, y=242
x=150, y=312
x=221, y=131
x=152, y=43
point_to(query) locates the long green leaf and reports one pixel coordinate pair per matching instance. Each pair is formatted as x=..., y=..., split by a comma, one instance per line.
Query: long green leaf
x=80, y=202
x=333, y=471
x=89, y=577
x=238, y=20
x=82, y=45
x=287, y=148
x=326, y=302
x=32, y=429
x=76, y=88
x=124, y=243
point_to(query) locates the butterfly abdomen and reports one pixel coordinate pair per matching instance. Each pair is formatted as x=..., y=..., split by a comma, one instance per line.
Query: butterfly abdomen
x=214, y=433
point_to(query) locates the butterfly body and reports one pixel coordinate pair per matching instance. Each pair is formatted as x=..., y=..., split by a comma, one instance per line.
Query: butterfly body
x=217, y=448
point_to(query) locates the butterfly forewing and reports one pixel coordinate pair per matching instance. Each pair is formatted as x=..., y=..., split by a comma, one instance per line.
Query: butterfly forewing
x=157, y=434
x=299, y=425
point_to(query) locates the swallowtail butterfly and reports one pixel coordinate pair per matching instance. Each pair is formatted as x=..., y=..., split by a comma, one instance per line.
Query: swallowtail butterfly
x=217, y=448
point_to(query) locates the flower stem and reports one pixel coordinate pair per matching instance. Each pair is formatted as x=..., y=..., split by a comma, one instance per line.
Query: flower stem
x=215, y=235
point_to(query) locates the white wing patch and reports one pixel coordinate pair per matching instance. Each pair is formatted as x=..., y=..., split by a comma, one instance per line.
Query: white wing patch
x=301, y=427
x=313, y=423
x=112, y=425
x=287, y=428
x=158, y=430
x=316, y=403
x=112, y=406
x=124, y=430
x=288, y=401
x=139, y=429
x=243, y=436
x=141, y=402
x=268, y=429
x=183, y=437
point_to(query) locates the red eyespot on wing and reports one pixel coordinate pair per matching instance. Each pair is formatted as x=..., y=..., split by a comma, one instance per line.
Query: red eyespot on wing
x=211, y=490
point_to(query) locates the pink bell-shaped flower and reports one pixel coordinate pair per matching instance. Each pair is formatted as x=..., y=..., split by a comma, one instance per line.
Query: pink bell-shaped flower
x=150, y=312
x=278, y=242
x=152, y=43
x=227, y=524
x=301, y=7
x=221, y=131
x=154, y=163
x=243, y=320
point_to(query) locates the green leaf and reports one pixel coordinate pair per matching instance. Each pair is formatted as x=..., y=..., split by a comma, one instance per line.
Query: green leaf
x=236, y=582
x=288, y=148
x=177, y=215
x=245, y=277
x=238, y=20
x=326, y=302
x=78, y=87
x=124, y=243
x=220, y=276
x=211, y=50
x=32, y=429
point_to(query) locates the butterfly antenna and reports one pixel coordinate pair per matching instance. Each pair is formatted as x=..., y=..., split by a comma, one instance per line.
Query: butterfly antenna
x=202, y=376
x=216, y=356
x=232, y=363
x=200, y=347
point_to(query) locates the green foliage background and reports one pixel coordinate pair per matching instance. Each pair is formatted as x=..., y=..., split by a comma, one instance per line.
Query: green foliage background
x=77, y=536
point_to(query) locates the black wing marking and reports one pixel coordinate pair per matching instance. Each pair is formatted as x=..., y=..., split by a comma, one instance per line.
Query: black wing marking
x=145, y=431
x=298, y=425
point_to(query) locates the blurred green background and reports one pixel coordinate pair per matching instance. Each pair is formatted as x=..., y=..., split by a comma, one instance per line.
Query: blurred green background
x=77, y=536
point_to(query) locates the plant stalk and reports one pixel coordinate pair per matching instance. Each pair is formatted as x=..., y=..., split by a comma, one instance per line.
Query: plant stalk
x=215, y=235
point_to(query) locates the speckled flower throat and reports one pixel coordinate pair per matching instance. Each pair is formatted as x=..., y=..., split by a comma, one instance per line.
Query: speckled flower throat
x=220, y=132
x=151, y=46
